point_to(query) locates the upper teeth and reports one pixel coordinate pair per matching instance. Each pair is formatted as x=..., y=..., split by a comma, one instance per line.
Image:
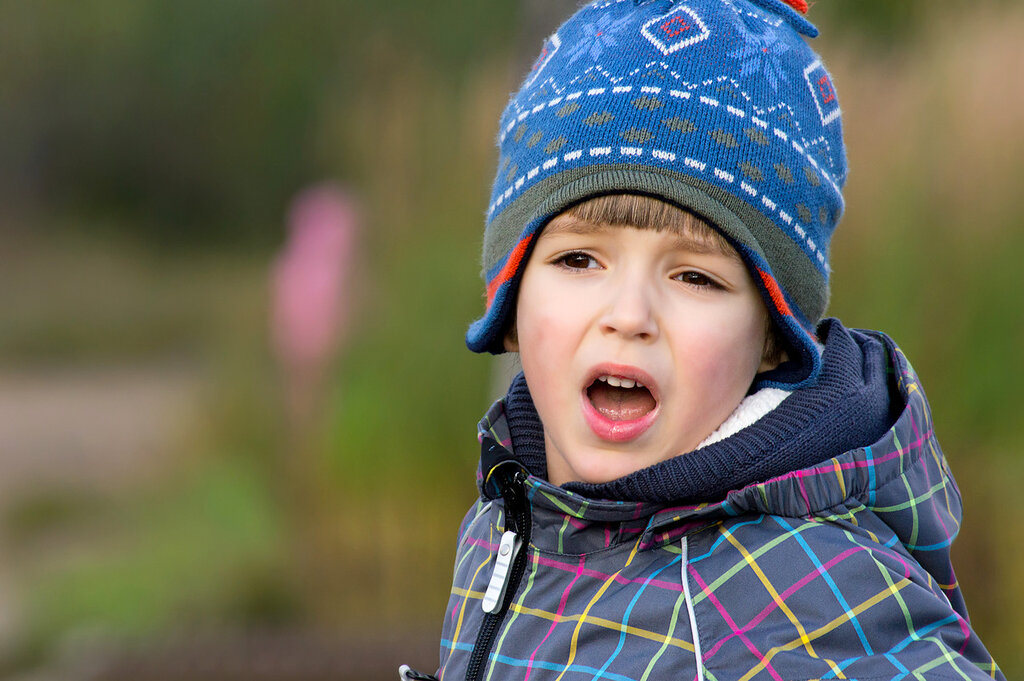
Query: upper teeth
x=617, y=382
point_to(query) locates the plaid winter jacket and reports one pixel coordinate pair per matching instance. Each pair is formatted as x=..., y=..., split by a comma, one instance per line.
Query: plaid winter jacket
x=837, y=571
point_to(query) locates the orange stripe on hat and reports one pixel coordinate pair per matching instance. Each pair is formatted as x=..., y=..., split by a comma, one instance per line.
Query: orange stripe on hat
x=509, y=270
x=775, y=293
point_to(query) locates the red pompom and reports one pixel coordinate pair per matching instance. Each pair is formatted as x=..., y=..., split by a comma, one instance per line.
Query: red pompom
x=798, y=5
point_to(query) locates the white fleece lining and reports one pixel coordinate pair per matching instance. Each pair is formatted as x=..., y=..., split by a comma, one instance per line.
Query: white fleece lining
x=749, y=411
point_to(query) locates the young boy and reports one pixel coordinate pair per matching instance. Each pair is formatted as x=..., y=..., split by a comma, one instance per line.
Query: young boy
x=694, y=477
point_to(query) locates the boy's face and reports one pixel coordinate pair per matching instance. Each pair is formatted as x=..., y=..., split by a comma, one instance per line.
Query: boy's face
x=600, y=305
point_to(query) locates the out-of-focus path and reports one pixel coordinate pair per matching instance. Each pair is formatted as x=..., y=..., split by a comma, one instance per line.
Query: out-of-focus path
x=99, y=428
x=93, y=430
x=108, y=430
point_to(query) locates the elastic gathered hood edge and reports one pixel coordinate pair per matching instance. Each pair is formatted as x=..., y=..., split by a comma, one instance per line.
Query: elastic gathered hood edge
x=849, y=406
x=908, y=411
x=871, y=477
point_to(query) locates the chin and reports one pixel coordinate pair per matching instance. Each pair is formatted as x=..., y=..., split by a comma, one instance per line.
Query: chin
x=606, y=467
x=598, y=479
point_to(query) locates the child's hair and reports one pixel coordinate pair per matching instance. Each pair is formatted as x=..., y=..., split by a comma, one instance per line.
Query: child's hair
x=645, y=212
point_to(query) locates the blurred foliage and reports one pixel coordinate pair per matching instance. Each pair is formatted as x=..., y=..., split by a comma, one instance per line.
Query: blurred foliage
x=196, y=121
x=149, y=154
x=886, y=24
x=161, y=549
x=204, y=548
x=114, y=301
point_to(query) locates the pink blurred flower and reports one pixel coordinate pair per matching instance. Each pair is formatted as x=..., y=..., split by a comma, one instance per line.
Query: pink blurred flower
x=311, y=296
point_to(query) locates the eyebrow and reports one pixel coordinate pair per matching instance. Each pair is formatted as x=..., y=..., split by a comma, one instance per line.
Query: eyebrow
x=686, y=241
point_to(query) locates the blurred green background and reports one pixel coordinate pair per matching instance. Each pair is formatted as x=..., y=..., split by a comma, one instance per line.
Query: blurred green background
x=162, y=517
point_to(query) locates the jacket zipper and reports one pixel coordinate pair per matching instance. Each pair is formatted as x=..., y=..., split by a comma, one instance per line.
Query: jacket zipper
x=407, y=673
x=694, y=632
x=505, y=580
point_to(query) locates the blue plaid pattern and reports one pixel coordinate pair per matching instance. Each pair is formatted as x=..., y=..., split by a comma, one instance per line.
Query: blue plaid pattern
x=839, y=571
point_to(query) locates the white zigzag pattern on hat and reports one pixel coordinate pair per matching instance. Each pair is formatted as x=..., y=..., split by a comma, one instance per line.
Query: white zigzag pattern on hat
x=522, y=114
x=682, y=94
x=632, y=153
x=518, y=114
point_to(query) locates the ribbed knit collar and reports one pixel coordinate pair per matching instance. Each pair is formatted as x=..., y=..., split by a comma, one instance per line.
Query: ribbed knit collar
x=848, y=407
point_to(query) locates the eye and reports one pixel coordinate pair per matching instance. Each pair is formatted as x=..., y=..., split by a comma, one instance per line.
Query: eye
x=576, y=260
x=697, y=279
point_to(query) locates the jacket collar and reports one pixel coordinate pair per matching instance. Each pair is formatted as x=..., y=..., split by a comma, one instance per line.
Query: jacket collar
x=578, y=523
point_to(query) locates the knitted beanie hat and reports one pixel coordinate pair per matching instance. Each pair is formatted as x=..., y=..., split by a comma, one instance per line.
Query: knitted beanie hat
x=716, y=106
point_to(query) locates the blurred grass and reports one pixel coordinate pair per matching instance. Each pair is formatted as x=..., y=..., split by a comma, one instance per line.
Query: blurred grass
x=928, y=251
x=81, y=298
x=187, y=553
x=398, y=440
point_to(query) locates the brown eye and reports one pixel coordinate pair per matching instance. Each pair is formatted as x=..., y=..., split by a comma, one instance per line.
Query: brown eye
x=695, y=279
x=576, y=261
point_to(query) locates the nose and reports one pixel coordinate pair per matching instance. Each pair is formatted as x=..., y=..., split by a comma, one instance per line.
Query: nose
x=630, y=310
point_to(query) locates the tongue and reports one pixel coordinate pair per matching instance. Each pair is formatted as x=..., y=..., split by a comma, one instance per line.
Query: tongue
x=620, y=404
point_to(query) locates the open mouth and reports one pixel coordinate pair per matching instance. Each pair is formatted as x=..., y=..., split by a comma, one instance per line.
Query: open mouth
x=620, y=399
x=620, y=403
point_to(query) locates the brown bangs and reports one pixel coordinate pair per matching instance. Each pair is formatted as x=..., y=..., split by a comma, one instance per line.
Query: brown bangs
x=645, y=212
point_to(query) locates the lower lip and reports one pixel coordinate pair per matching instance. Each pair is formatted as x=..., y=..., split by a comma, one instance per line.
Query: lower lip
x=616, y=431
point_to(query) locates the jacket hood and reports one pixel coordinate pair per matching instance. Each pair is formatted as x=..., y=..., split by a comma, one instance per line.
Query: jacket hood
x=902, y=477
x=848, y=407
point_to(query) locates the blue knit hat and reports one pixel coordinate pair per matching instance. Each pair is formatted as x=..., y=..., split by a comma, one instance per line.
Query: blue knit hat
x=716, y=106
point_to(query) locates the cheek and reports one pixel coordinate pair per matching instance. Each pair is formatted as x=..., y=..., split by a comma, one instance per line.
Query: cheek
x=546, y=347
x=727, y=348
x=545, y=335
x=538, y=323
x=545, y=315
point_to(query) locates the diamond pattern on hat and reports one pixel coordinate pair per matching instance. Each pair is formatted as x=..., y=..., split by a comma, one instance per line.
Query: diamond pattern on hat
x=751, y=171
x=822, y=91
x=680, y=125
x=649, y=103
x=676, y=30
x=595, y=118
x=568, y=110
x=637, y=135
x=784, y=173
x=551, y=46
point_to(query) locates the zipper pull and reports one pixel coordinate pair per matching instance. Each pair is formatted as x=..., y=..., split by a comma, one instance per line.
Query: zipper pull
x=508, y=549
x=407, y=673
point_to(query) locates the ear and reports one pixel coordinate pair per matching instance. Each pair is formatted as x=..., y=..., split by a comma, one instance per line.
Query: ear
x=769, y=363
x=772, y=356
x=511, y=341
x=774, y=351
